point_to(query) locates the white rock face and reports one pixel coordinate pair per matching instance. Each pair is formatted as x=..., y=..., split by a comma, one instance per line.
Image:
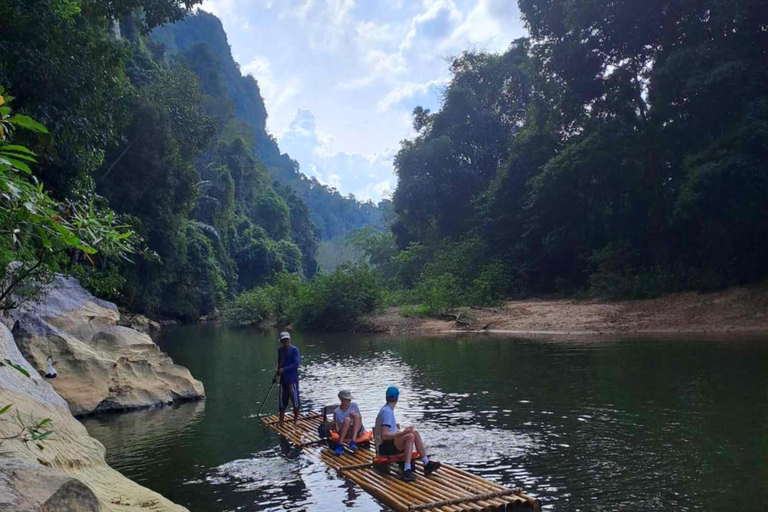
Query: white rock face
x=101, y=366
x=70, y=474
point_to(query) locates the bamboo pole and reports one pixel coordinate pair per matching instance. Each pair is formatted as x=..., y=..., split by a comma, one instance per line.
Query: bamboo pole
x=386, y=496
x=461, y=501
x=455, y=491
x=395, y=485
x=418, y=492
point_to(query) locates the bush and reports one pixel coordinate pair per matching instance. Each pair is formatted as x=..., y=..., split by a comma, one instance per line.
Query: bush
x=284, y=295
x=250, y=307
x=490, y=286
x=616, y=276
x=336, y=301
x=439, y=294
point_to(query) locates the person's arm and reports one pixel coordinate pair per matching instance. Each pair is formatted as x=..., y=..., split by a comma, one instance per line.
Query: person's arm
x=387, y=436
x=336, y=420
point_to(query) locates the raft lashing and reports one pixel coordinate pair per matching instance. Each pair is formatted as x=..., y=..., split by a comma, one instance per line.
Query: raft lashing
x=447, y=490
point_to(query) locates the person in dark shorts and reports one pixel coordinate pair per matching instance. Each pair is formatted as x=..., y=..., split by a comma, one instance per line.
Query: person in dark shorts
x=288, y=358
x=390, y=441
x=348, y=422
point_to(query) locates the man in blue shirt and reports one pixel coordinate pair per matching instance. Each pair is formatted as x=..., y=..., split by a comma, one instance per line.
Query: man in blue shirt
x=288, y=358
x=391, y=442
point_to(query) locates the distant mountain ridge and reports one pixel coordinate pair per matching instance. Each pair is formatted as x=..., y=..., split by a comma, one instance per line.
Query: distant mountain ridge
x=199, y=40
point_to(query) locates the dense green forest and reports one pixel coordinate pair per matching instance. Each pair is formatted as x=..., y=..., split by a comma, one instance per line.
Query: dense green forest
x=200, y=42
x=621, y=150
x=161, y=128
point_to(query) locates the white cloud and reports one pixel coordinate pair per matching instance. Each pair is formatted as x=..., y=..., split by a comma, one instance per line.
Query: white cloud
x=432, y=25
x=410, y=94
x=365, y=176
x=274, y=94
x=359, y=67
x=491, y=25
x=328, y=23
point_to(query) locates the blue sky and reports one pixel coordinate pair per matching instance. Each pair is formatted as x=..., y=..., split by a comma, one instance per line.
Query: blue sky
x=341, y=77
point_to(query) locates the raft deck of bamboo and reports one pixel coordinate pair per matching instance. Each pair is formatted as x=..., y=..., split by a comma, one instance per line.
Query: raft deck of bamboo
x=447, y=490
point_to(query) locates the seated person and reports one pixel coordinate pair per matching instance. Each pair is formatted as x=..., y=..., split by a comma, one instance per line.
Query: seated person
x=390, y=441
x=347, y=422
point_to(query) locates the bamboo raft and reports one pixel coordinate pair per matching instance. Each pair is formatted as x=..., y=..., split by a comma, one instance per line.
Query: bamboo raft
x=447, y=490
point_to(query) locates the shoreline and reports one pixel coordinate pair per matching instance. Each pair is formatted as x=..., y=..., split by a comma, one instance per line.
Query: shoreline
x=734, y=311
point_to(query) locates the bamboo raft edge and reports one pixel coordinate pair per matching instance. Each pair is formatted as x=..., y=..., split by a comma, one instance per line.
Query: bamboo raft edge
x=449, y=490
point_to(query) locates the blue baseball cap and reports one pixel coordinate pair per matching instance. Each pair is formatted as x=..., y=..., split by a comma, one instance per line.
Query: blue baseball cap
x=393, y=393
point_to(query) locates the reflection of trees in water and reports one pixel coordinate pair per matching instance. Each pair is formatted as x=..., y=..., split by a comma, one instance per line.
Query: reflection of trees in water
x=132, y=433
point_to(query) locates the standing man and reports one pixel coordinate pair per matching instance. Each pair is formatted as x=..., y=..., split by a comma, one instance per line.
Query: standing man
x=391, y=442
x=288, y=358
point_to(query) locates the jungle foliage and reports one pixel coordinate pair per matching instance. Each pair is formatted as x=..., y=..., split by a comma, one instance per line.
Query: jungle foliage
x=621, y=149
x=173, y=139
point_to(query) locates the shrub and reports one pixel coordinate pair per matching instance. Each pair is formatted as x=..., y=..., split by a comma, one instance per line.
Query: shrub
x=337, y=300
x=250, y=307
x=490, y=286
x=284, y=295
x=439, y=294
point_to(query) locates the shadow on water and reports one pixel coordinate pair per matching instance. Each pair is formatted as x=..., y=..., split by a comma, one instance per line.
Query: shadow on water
x=588, y=424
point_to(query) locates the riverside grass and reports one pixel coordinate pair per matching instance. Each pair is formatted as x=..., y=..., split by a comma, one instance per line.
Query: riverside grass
x=449, y=490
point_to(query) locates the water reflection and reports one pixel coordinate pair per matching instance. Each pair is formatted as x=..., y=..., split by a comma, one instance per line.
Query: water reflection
x=584, y=425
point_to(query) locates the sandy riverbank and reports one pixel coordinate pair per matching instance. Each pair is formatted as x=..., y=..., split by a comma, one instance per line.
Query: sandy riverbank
x=737, y=310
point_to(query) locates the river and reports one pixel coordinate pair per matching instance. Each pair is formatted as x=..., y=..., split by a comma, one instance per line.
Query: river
x=583, y=424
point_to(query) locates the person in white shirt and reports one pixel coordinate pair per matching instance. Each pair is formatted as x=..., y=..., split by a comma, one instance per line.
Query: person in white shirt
x=391, y=442
x=348, y=422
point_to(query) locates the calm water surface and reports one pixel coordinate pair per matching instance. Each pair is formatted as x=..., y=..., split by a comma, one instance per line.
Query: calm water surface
x=584, y=425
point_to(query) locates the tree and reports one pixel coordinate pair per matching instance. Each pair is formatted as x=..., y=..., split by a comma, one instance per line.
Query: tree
x=40, y=236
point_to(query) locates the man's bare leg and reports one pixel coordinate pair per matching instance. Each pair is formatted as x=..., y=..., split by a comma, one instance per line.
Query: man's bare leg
x=344, y=430
x=295, y=415
x=405, y=445
x=357, y=424
x=282, y=417
x=419, y=444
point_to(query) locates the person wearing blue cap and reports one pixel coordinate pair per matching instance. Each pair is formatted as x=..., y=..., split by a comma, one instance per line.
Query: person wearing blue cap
x=288, y=359
x=390, y=441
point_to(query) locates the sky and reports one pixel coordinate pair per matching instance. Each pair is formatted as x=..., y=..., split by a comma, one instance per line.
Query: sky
x=340, y=78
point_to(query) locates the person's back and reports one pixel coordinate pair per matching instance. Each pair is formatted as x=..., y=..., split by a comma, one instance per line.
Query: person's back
x=386, y=417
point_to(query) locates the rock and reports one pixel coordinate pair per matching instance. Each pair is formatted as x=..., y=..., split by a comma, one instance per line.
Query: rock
x=101, y=366
x=139, y=322
x=33, y=487
x=66, y=305
x=70, y=473
x=118, y=369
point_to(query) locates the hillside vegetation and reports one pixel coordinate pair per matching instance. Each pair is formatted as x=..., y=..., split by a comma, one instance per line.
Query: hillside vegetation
x=166, y=132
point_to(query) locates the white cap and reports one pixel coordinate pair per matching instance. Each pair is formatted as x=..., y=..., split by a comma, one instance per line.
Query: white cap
x=284, y=335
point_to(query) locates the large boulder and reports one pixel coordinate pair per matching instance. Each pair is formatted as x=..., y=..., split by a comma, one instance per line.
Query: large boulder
x=70, y=473
x=66, y=305
x=101, y=366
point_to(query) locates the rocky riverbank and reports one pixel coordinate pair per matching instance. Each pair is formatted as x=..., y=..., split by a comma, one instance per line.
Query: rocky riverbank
x=101, y=365
x=738, y=310
x=69, y=473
